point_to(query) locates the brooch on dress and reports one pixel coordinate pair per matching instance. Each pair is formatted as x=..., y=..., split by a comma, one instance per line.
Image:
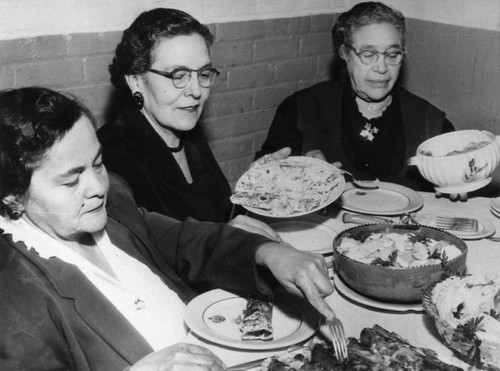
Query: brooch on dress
x=368, y=132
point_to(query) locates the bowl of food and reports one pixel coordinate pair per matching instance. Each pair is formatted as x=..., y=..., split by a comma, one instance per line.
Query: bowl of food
x=466, y=311
x=459, y=161
x=396, y=263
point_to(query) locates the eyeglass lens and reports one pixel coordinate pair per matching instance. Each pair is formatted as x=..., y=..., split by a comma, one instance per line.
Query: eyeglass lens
x=393, y=57
x=206, y=77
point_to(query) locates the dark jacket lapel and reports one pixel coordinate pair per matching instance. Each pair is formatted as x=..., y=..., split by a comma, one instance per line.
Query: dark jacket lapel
x=91, y=305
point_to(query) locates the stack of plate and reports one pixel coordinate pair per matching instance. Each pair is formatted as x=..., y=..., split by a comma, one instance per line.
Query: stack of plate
x=495, y=207
x=307, y=236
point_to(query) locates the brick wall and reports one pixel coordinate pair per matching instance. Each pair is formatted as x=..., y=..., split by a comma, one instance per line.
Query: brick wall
x=261, y=62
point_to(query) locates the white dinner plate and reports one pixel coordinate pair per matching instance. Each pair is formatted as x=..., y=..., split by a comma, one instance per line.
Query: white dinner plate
x=372, y=303
x=387, y=199
x=485, y=227
x=306, y=236
x=313, y=179
x=294, y=320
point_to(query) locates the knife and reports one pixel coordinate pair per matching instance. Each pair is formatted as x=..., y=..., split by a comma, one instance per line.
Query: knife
x=364, y=219
x=246, y=365
x=258, y=362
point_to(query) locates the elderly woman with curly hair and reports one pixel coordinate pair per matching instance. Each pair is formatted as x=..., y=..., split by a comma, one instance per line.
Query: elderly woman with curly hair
x=88, y=281
x=364, y=119
x=163, y=71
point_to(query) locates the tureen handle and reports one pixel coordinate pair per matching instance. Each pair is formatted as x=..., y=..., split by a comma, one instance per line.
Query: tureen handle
x=415, y=160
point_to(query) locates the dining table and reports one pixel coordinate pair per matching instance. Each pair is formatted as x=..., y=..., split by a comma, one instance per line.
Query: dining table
x=410, y=322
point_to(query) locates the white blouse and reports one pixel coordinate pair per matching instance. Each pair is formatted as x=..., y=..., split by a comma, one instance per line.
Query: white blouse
x=142, y=298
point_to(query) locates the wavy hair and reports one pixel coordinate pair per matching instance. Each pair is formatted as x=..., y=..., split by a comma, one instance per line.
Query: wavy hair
x=32, y=119
x=364, y=14
x=134, y=54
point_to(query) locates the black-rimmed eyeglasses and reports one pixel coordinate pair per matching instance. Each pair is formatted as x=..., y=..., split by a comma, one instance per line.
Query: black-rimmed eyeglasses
x=182, y=76
x=393, y=57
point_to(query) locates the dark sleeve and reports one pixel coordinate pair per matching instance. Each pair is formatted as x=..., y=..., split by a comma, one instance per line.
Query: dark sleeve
x=31, y=341
x=203, y=254
x=210, y=255
x=447, y=126
x=283, y=131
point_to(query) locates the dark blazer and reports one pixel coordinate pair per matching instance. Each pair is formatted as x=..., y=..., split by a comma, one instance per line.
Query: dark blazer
x=132, y=149
x=311, y=119
x=53, y=318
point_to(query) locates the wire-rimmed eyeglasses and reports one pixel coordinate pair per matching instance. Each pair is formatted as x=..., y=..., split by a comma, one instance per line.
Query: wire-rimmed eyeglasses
x=392, y=57
x=182, y=76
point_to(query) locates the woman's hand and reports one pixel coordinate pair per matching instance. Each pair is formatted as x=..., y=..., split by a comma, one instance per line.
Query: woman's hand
x=179, y=357
x=316, y=153
x=302, y=273
x=254, y=226
x=278, y=155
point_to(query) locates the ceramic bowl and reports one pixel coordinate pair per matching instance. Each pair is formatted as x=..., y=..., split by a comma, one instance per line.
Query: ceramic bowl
x=389, y=284
x=458, y=162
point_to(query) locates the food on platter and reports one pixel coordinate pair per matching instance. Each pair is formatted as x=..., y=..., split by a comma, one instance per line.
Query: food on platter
x=396, y=250
x=256, y=322
x=466, y=310
x=276, y=204
x=287, y=187
x=471, y=146
x=377, y=349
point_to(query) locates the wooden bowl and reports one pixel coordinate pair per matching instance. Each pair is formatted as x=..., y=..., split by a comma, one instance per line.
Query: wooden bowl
x=390, y=284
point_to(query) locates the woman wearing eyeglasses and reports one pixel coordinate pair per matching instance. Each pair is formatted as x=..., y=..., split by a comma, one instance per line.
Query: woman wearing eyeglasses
x=364, y=120
x=163, y=69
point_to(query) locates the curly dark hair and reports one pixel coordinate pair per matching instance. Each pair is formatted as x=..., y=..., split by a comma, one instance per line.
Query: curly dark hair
x=364, y=14
x=32, y=119
x=134, y=54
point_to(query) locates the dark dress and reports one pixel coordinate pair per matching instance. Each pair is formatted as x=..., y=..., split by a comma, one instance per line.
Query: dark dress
x=133, y=150
x=325, y=117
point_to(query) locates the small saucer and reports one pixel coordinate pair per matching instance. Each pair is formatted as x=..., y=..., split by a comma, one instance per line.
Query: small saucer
x=464, y=188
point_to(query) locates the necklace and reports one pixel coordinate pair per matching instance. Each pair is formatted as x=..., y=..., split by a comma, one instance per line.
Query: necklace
x=178, y=148
x=374, y=106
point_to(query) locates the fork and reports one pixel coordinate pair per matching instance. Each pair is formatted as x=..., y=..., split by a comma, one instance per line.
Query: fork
x=457, y=224
x=339, y=341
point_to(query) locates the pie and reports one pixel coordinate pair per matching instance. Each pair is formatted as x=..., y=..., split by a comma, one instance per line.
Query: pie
x=376, y=350
x=289, y=187
x=256, y=323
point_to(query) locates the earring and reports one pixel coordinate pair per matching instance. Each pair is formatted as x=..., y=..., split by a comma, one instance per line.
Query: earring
x=138, y=100
x=17, y=213
x=16, y=209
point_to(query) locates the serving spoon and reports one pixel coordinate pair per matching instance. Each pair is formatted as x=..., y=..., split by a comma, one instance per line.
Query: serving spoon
x=367, y=184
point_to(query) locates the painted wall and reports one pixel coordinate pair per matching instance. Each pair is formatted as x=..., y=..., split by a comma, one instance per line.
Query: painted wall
x=24, y=18
x=265, y=50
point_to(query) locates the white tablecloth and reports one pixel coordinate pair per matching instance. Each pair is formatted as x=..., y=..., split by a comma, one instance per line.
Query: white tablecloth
x=417, y=327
